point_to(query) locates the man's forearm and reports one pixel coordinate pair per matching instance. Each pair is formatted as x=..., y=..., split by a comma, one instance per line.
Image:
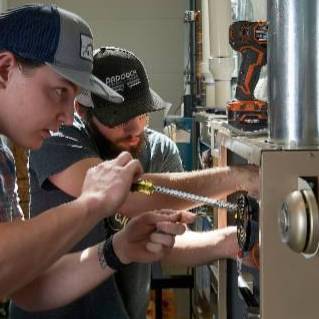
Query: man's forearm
x=30, y=247
x=215, y=183
x=194, y=248
x=75, y=274
x=68, y=279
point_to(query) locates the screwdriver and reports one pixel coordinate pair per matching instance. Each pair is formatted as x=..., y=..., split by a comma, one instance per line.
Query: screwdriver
x=148, y=188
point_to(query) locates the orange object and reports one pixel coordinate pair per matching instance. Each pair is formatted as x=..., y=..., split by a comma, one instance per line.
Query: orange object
x=248, y=115
x=255, y=255
x=250, y=39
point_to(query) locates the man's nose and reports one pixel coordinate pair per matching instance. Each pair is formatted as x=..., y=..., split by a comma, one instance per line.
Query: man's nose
x=134, y=125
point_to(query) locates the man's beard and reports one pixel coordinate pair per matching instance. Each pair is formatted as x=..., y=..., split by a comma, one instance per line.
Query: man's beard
x=111, y=150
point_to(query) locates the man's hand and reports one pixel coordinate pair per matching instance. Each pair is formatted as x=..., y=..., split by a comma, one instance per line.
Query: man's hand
x=107, y=185
x=151, y=235
x=232, y=248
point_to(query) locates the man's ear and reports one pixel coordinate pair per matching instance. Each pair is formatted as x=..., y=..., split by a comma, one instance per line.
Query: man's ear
x=7, y=63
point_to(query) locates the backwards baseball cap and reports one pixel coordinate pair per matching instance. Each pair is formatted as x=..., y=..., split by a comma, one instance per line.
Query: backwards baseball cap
x=58, y=38
x=124, y=72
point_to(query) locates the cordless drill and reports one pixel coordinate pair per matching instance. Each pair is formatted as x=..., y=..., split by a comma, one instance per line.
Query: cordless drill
x=250, y=39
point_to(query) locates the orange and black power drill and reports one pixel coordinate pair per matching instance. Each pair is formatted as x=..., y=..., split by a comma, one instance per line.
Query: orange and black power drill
x=250, y=39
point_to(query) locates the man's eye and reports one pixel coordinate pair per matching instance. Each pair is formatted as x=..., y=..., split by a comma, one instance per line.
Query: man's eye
x=59, y=92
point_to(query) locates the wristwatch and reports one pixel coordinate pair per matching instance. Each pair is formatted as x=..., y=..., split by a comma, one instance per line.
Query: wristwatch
x=110, y=257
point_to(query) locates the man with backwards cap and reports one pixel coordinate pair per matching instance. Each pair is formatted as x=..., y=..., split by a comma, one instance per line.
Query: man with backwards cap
x=105, y=130
x=45, y=58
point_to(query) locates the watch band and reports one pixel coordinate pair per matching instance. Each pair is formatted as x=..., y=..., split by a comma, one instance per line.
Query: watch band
x=110, y=257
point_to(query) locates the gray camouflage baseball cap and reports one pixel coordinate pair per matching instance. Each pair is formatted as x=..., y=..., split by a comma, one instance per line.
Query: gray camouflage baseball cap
x=57, y=37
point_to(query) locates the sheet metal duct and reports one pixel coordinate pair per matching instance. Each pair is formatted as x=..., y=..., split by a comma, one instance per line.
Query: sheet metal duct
x=293, y=72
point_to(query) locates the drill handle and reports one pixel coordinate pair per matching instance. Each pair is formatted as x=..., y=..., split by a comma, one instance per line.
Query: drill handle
x=253, y=58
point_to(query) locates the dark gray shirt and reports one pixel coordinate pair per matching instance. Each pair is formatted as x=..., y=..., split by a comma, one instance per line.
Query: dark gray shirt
x=124, y=295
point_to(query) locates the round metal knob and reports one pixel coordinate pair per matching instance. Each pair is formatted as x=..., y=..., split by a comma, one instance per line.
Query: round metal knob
x=299, y=222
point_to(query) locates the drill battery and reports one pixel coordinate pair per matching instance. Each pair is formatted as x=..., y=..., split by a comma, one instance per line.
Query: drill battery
x=247, y=115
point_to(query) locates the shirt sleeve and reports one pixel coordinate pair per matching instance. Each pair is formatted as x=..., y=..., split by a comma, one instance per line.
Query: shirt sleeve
x=70, y=145
x=164, y=154
x=9, y=201
x=172, y=160
x=17, y=213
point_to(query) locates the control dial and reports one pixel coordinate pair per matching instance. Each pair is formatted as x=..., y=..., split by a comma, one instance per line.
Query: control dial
x=299, y=222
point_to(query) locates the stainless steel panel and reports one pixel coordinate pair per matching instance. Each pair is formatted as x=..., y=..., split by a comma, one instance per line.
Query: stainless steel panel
x=293, y=56
x=289, y=282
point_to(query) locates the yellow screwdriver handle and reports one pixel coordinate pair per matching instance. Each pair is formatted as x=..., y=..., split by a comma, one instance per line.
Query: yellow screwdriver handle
x=143, y=186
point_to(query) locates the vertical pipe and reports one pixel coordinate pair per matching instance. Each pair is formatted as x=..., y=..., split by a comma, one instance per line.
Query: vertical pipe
x=220, y=20
x=189, y=97
x=208, y=80
x=222, y=61
x=192, y=41
x=205, y=35
x=293, y=72
x=199, y=54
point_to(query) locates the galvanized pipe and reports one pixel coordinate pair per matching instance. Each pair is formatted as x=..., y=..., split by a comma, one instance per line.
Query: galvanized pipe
x=293, y=61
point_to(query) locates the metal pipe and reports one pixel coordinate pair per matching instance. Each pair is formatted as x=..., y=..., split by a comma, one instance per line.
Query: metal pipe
x=293, y=72
x=208, y=79
x=192, y=56
x=222, y=61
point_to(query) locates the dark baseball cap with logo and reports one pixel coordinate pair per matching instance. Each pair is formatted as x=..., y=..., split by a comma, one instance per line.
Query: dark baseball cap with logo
x=123, y=72
x=58, y=38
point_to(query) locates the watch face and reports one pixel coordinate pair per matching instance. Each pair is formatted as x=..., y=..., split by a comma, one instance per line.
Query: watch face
x=117, y=222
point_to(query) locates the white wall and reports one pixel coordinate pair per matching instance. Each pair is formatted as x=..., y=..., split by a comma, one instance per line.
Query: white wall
x=153, y=29
x=3, y=5
x=260, y=9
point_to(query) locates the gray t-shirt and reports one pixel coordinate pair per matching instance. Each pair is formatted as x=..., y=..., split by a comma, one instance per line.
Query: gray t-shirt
x=124, y=295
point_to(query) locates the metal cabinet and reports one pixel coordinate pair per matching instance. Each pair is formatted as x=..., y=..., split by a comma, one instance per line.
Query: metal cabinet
x=287, y=280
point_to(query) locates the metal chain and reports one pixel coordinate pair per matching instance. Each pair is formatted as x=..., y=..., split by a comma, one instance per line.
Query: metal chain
x=196, y=198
